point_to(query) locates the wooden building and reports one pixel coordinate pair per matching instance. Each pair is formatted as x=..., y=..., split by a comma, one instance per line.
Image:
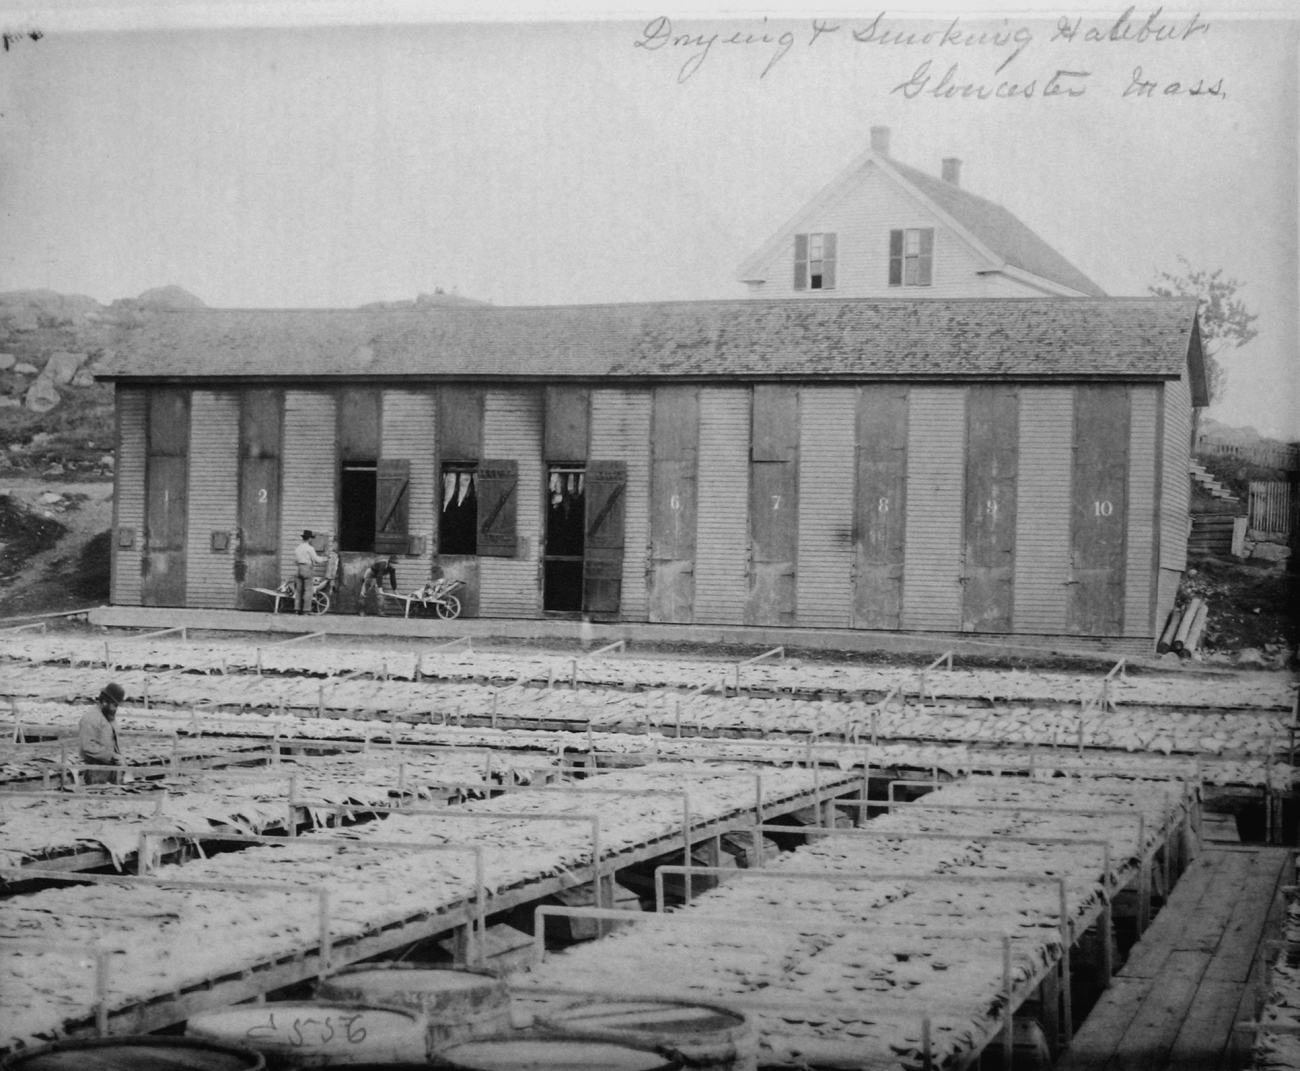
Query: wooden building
x=997, y=466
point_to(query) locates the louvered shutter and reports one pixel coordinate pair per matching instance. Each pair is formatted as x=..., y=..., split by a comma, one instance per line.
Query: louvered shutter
x=392, y=505
x=801, y=261
x=828, y=261
x=498, y=483
x=602, y=567
x=895, y=258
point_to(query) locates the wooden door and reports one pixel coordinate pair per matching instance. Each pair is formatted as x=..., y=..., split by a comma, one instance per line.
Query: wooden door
x=1099, y=511
x=166, y=494
x=602, y=563
x=257, y=552
x=675, y=433
x=773, y=505
x=881, y=507
x=992, y=448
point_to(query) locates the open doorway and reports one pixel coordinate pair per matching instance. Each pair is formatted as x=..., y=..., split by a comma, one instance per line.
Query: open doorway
x=566, y=522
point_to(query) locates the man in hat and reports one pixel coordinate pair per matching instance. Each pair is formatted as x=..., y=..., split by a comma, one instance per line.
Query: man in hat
x=372, y=582
x=303, y=582
x=97, y=737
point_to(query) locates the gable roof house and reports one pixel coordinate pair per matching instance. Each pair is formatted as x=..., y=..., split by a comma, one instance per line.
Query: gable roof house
x=883, y=229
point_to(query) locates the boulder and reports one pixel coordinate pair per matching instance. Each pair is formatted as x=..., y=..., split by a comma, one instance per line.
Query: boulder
x=1250, y=656
x=7, y=361
x=42, y=396
x=1270, y=552
x=83, y=378
x=26, y=368
x=61, y=366
x=106, y=461
x=7, y=401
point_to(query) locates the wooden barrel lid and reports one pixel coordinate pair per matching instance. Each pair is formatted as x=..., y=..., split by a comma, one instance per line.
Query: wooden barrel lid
x=398, y=982
x=292, y=1029
x=554, y=1054
x=148, y=1053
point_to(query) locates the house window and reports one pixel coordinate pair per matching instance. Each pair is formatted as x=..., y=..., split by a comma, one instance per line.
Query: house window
x=814, y=261
x=911, y=256
x=458, y=522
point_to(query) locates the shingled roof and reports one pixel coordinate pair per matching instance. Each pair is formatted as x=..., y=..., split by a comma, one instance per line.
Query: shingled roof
x=835, y=338
x=1000, y=231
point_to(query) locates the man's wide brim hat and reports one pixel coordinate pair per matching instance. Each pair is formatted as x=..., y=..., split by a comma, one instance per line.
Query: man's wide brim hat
x=307, y=533
x=113, y=692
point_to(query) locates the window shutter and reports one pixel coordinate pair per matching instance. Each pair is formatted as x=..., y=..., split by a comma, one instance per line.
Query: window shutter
x=801, y=261
x=392, y=505
x=497, y=486
x=895, y=258
x=602, y=566
x=927, y=257
x=828, y=261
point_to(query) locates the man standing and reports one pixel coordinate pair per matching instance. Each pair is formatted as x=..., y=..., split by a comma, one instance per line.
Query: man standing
x=97, y=737
x=372, y=582
x=303, y=582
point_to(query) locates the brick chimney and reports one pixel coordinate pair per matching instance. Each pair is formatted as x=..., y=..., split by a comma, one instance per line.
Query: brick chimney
x=952, y=170
x=880, y=140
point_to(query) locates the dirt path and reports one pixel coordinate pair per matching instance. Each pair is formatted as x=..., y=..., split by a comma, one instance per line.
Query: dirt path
x=70, y=574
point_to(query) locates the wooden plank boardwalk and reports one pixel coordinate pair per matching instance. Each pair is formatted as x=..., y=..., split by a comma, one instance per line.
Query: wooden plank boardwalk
x=1190, y=978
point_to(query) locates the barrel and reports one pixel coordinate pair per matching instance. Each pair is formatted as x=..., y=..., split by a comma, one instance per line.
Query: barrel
x=318, y=1033
x=147, y=1053
x=458, y=1004
x=703, y=1035
x=554, y=1054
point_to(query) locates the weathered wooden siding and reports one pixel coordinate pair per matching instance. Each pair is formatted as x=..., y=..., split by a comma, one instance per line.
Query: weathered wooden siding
x=935, y=468
x=620, y=431
x=773, y=505
x=861, y=221
x=310, y=470
x=167, y=486
x=1099, y=489
x=1043, y=512
x=128, y=495
x=826, y=475
x=722, y=532
x=410, y=432
x=674, y=449
x=1138, y=574
x=1175, y=483
x=880, y=509
x=992, y=445
x=261, y=442
x=512, y=429
x=213, y=498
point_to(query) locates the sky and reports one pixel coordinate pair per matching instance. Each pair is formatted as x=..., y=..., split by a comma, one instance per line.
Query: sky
x=641, y=157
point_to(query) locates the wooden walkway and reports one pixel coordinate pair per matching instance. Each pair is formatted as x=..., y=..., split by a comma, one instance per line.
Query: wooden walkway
x=1191, y=977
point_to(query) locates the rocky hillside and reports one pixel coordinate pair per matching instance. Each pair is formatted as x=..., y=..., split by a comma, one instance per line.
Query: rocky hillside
x=55, y=420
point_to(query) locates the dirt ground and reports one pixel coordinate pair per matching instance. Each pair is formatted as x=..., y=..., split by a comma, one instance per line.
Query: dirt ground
x=53, y=550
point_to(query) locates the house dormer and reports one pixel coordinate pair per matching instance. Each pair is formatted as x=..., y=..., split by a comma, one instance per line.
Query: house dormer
x=883, y=229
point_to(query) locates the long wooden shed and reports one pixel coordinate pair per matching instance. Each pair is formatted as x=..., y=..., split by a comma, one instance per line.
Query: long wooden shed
x=996, y=466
